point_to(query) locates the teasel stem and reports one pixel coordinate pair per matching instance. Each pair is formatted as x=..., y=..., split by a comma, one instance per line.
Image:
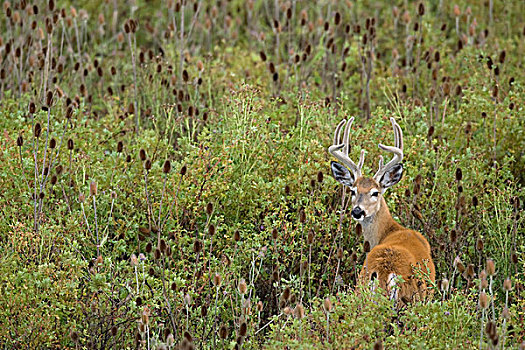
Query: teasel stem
x=482, y=327
x=137, y=279
x=150, y=211
x=85, y=217
x=309, y=272
x=46, y=65
x=35, y=152
x=134, y=65
x=492, y=300
x=45, y=149
x=181, y=48
x=96, y=223
x=215, y=315
x=160, y=209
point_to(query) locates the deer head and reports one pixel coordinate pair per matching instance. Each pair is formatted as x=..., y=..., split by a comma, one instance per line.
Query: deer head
x=366, y=192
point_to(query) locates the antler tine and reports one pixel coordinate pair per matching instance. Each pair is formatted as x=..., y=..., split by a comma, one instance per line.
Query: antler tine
x=340, y=150
x=338, y=132
x=397, y=150
x=346, y=137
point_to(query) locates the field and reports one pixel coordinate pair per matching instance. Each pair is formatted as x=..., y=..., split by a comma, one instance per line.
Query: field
x=165, y=180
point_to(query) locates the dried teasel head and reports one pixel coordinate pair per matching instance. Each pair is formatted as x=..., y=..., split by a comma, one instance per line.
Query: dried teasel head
x=242, y=287
x=327, y=305
x=299, y=311
x=491, y=267
x=483, y=300
x=507, y=284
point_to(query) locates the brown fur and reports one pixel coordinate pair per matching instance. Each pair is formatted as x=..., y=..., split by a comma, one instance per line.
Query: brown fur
x=394, y=249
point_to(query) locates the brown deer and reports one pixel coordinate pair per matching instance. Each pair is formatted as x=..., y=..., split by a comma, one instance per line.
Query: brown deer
x=399, y=258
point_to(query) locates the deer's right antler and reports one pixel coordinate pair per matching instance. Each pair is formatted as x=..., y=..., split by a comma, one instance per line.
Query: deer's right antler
x=340, y=150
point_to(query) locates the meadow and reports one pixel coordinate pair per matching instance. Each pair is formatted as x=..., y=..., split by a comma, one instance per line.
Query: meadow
x=165, y=180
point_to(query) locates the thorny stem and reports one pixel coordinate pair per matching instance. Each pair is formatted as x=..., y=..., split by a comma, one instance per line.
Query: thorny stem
x=147, y=199
x=136, y=114
x=96, y=224
x=160, y=209
x=215, y=314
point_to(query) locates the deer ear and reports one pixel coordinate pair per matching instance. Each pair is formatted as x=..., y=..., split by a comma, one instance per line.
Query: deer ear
x=342, y=174
x=392, y=176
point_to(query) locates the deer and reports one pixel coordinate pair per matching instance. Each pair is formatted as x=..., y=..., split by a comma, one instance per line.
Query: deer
x=399, y=260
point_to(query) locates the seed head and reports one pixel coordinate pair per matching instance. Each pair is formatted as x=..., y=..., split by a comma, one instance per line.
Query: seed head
x=479, y=245
x=217, y=280
x=197, y=246
x=38, y=130
x=167, y=167
x=237, y=236
x=183, y=170
x=483, y=300
x=457, y=11
x=243, y=329
x=209, y=208
x=223, y=332
x=505, y=313
x=491, y=268
x=93, y=188
x=327, y=305
x=243, y=288
x=470, y=270
x=142, y=155
x=147, y=164
x=507, y=284
x=70, y=144
x=134, y=261
x=299, y=311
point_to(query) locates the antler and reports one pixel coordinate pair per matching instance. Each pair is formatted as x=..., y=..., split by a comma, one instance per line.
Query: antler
x=397, y=150
x=340, y=150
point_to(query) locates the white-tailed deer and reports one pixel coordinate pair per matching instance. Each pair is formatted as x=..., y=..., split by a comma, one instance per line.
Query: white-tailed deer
x=395, y=251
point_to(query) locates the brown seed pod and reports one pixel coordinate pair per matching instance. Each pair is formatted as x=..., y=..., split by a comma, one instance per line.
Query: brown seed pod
x=183, y=170
x=327, y=305
x=366, y=247
x=197, y=246
x=38, y=130
x=93, y=188
x=470, y=271
x=167, y=167
x=243, y=329
x=507, y=284
x=223, y=332
x=147, y=165
x=491, y=267
x=483, y=300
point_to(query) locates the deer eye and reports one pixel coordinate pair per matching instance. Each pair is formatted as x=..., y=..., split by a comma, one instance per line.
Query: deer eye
x=375, y=194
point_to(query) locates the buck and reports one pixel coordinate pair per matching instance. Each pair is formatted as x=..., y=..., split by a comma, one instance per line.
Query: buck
x=399, y=258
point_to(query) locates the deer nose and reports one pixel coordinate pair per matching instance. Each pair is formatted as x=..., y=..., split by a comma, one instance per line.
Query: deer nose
x=357, y=212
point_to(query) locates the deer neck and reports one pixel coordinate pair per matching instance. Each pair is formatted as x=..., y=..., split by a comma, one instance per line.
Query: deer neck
x=378, y=226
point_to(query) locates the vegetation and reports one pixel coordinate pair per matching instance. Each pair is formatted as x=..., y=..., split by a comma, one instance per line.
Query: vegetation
x=166, y=182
